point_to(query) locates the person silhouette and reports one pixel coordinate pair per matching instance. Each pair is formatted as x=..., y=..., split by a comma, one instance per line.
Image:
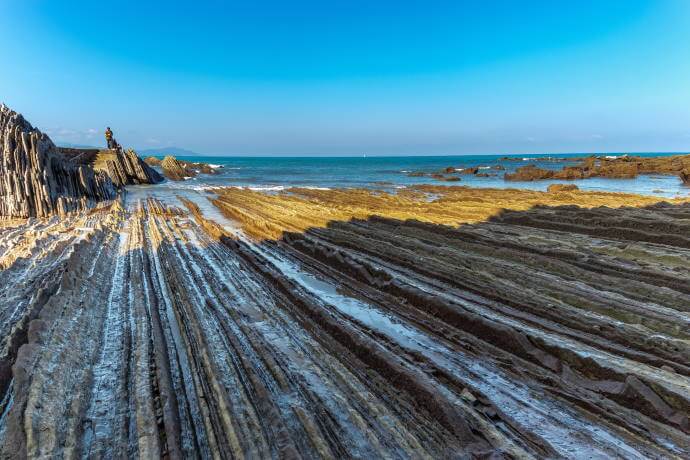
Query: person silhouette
x=109, y=137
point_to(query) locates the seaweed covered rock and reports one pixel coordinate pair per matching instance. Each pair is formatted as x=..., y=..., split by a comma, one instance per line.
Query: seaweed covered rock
x=36, y=179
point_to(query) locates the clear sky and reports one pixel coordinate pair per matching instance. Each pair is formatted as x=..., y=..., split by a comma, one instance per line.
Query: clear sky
x=350, y=77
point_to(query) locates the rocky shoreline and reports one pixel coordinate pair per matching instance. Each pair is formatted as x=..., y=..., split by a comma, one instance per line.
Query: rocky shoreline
x=313, y=328
x=435, y=322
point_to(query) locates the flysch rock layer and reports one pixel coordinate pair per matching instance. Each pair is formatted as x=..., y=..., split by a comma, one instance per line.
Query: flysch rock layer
x=174, y=169
x=36, y=180
x=177, y=170
x=146, y=331
x=123, y=168
x=126, y=168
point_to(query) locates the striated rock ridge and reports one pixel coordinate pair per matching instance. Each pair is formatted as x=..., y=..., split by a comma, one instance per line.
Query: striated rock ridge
x=36, y=179
x=126, y=168
x=177, y=170
x=174, y=169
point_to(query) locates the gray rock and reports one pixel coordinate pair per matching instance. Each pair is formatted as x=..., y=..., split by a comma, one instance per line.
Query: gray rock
x=37, y=180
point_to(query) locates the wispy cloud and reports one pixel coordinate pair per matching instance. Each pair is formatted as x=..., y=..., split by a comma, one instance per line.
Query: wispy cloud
x=62, y=134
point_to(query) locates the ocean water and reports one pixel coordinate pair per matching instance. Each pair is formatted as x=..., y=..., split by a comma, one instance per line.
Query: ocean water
x=391, y=173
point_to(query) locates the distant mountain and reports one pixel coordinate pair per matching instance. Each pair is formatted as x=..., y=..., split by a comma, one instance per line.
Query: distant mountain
x=174, y=151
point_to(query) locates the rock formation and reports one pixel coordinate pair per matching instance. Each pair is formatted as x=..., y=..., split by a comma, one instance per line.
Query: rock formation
x=613, y=168
x=555, y=188
x=152, y=161
x=529, y=173
x=685, y=176
x=175, y=169
x=36, y=179
x=512, y=331
x=126, y=168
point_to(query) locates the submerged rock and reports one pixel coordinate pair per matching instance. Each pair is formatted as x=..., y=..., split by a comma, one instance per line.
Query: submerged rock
x=36, y=179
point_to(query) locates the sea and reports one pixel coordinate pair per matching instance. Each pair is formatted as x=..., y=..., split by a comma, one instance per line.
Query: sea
x=272, y=174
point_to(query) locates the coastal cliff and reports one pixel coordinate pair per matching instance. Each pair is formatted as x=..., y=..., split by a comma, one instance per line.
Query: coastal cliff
x=36, y=179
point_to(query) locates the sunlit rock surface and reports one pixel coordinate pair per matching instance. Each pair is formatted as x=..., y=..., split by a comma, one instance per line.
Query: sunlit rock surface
x=36, y=180
x=276, y=326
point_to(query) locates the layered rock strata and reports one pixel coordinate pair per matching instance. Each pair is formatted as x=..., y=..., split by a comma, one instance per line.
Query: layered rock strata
x=36, y=180
x=547, y=332
x=178, y=170
x=126, y=168
x=173, y=169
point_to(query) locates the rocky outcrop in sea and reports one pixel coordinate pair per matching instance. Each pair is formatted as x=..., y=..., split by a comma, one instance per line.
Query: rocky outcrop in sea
x=625, y=167
x=178, y=170
x=37, y=180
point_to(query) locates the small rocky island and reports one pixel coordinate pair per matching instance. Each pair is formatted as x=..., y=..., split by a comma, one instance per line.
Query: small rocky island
x=179, y=170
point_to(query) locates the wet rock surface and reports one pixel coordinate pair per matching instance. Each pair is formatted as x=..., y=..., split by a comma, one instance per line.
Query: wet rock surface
x=148, y=329
x=37, y=180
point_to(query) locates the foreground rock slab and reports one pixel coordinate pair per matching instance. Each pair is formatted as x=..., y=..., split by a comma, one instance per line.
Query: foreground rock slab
x=145, y=329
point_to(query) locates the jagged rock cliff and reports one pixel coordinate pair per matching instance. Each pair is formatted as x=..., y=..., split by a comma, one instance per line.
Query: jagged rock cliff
x=36, y=179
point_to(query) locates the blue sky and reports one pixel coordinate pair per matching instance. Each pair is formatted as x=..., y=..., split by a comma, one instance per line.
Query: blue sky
x=353, y=77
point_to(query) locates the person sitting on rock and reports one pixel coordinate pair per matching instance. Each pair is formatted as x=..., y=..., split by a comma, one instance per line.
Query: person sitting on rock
x=109, y=137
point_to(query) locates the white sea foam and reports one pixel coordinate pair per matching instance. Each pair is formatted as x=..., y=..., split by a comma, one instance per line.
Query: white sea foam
x=265, y=188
